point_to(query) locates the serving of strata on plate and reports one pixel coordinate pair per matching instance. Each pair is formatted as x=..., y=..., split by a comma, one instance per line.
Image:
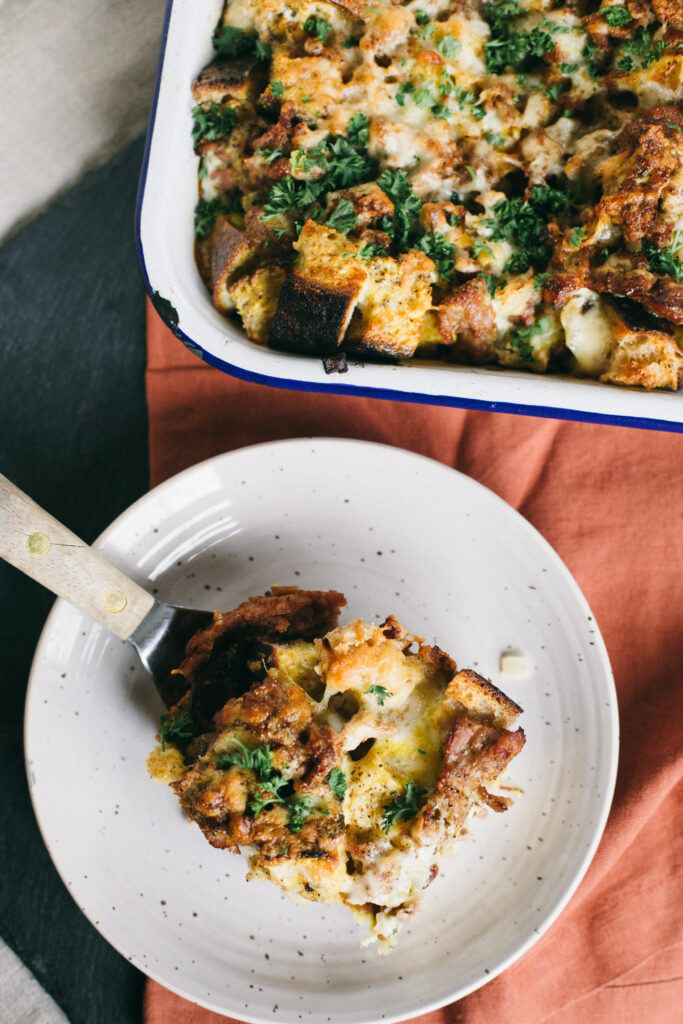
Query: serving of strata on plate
x=482, y=183
x=344, y=761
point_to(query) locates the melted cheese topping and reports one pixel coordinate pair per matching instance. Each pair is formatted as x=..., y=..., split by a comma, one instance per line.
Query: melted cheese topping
x=394, y=704
x=475, y=105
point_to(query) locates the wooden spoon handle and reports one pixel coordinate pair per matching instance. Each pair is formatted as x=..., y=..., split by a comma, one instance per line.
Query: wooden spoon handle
x=38, y=545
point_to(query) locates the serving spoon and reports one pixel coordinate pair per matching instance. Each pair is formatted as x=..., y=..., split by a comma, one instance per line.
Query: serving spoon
x=37, y=544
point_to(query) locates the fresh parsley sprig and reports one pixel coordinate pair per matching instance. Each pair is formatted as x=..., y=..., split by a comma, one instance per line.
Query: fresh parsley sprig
x=207, y=212
x=509, y=48
x=300, y=809
x=230, y=41
x=665, y=261
x=407, y=206
x=440, y=251
x=404, y=806
x=318, y=27
x=358, y=131
x=380, y=692
x=337, y=783
x=343, y=217
x=640, y=50
x=616, y=16
x=212, y=123
x=520, y=339
x=177, y=729
x=258, y=760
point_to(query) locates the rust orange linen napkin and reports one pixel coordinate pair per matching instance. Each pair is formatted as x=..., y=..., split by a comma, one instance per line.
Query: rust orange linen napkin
x=610, y=501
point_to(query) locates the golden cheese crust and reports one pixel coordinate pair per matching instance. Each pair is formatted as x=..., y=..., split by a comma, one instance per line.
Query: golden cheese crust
x=440, y=179
x=343, y=764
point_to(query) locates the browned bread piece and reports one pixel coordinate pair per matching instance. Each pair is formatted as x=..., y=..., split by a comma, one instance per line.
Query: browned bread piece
x=234, y=81
x=348, y=763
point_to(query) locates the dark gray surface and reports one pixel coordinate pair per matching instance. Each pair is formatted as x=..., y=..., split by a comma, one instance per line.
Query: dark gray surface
x=73, y=434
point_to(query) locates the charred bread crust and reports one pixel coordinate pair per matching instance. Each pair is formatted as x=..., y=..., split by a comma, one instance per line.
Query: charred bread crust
x=281, y=613
x=229, y=80
x=311, y=318
x=484, y=701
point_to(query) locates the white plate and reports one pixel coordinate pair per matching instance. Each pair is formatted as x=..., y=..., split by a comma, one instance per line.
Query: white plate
x=396, y=533
x=166, y=200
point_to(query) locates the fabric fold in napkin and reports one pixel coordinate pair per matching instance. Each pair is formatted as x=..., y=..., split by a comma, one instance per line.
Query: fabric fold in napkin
x=610, y=501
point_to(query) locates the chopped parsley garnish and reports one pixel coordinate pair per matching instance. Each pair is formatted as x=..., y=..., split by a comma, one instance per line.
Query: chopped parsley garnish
x=494, y=139
x=212, y=123
x=277, y=89
x=349, y=43
x=343, y=217
x=269, y=154
x=298, y=161
x=478, y=247
x=499, y=14
x=568, y=69
x=402, y=807
x=319, y=27
x=178, y=729
x=299, y=809
x=550, y=200
x=344, y=166
x=616, y=16
x=522, y=222
x=518, y=222
x=369, y=250
x=440, y=251
x=665, y=261
x=421, y=17
x=509, y=48
x=520, y=340
x=337, y=783
x=403, y=91
x=284, y=195
x=273, y=787
x=554, y=90
x=207, y=211
x=493, y=283
x=358, y=131
x=640, y=51
x=424, y=97
x=380, y=692
x=230, y=41
x=575, y=237
x=540, y=281
x=407, y=206
x=258, y=760
x=589, y=53
x=449, y=46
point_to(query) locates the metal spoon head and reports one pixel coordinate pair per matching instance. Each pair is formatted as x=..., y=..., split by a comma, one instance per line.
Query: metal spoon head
x=160, y=641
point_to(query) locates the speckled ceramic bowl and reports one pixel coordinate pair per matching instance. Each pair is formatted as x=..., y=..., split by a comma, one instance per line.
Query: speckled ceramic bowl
x=397, y=533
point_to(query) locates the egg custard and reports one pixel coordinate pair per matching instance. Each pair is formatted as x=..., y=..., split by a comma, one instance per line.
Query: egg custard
x=345, y=764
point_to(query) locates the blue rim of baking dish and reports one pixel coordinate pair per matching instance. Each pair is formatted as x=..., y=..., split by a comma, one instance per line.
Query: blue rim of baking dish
x=360, y=391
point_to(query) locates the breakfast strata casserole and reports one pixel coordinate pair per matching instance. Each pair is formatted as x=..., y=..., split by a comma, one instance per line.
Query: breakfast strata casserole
x=344, y=760
x=485, y=183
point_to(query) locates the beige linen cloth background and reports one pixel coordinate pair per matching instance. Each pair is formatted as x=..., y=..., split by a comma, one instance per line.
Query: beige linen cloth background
x=76, y=82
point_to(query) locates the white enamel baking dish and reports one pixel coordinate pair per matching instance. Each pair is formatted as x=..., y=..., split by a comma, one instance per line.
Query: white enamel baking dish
x=164, y=222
